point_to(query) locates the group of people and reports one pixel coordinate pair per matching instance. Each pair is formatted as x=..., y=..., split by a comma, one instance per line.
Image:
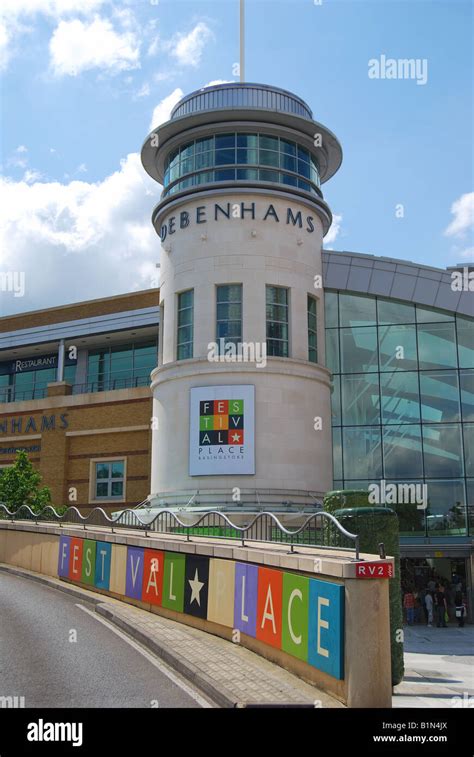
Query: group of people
x=435, y=603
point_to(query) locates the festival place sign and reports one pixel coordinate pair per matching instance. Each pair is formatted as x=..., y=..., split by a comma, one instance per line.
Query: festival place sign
x=302, y=616
x=222, y=430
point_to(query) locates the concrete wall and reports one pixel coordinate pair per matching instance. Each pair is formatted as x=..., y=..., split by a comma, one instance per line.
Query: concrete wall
x=305, y=611
x=289, y=392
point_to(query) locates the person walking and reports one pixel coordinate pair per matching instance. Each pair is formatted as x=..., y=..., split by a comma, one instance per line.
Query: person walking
x=429, y=608
x=409, y=605
x=441, y=607
x=460, y=606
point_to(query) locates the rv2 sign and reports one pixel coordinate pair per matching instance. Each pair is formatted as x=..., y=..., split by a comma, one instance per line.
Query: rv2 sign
x=374, y=570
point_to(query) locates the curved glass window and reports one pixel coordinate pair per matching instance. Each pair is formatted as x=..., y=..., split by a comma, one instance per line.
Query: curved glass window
x=405, y=372
x=280, y=161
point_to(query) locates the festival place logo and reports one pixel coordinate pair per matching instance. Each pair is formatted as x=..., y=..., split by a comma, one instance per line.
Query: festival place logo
x=221, y=422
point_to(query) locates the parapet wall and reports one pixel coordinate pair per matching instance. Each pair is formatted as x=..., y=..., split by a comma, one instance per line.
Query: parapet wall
x=308, y=611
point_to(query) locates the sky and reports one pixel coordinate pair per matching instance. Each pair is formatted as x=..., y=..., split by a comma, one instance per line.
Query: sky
x=84, y=81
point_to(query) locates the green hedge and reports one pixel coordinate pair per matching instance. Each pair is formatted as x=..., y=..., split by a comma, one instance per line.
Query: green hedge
x=374, y=525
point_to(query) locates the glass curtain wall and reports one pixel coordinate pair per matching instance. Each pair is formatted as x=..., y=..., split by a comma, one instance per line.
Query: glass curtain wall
x=403, y=405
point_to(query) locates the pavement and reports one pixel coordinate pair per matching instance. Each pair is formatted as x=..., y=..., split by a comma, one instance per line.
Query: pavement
x=34, y=619
x=439, y=667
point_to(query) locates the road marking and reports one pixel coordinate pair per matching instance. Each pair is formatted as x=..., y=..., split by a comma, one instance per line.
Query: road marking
x=150, y=657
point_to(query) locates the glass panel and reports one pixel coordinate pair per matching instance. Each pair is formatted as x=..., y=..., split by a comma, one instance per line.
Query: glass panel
x=395, y=312
x=330, y=309
x=186, y=299
x=277, y=294
x=332, y=350
x=467, y=394
x=362, y=452
x=468, y=430
x=205, y=160
x=402, y=453
x=303, y=168
x=442, y=450
x=247, y=156
x=187, y=151
x=203, y=145
x=248, y=174
x=356, y=310
x=397, y=346
x=229, y=293
x=465, y=330
x=117, y=489
x=303, y=154
x=222, y=157
x=287, y=147
x=359, y=350
x=225, y=141
x=229, y=312
x=470, y=503
x=437, y=346
x=265, y=175
x=225, y=175
x=411, y=519
x=185, y=351
x=288, y=163
x=268, y=143
x=117, y=469
x=336, y=401
x=360, y=399
x=102, y=470
x=446, y=513
x=439, y=396
x=304, y=185
x=277, y=349
x=337, y=452
x=268, y=158
x=430, y=315
x=247, y=140
x=102, y=490
x=400, y=397
x=290, y=180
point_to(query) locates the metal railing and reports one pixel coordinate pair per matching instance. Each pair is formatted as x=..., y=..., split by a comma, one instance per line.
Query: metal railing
x=321, y=530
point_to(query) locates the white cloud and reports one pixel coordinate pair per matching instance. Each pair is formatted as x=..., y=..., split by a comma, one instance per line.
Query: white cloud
x=31, y=176
x=163, y=110
x=13, y=14
x=463, y=212
x=188, y=48
x=154, y=46
x=468, y=253
x=218, y=81
x=21, y=148
x=79, y=240
x=144, y=90
x=333, y=231
x=4, y=49
x=79, y=46
x=55, y=8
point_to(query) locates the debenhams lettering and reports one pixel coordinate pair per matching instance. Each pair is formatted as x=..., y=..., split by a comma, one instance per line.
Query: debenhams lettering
x=238, y=210
x=28, y=424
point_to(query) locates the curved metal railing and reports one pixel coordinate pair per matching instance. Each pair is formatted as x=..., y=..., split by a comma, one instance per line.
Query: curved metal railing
x=317, y=529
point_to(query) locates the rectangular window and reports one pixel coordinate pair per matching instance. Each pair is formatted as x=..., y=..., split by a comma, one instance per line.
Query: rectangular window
x=185, y=325
x=312, y=330
x=277, y=321
x=229, y=315
x=109, y=479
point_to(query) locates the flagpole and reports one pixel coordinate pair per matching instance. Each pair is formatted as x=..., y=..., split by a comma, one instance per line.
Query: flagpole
x=242, y=40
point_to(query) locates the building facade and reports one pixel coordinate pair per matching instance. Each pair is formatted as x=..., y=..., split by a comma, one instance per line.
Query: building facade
x=74, y=393
x=282, y=371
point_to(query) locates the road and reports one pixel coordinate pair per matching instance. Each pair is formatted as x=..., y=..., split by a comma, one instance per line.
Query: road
x=41, y=661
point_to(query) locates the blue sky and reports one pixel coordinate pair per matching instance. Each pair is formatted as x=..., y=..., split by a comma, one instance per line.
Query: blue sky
x=84, y=79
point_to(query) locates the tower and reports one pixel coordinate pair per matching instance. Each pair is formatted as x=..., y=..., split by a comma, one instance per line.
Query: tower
x=241, y=221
